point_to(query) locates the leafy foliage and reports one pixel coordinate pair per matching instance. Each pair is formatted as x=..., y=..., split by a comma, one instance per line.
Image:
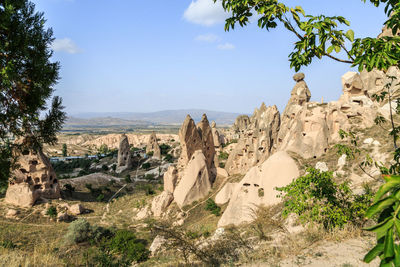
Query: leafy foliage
x=125, y=242
x=223, y=155
x=213, y=207
x=52, y=212
x=315, y=197
x=321, y=36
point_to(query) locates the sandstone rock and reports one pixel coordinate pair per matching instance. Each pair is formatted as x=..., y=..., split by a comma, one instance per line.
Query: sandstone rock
x=225, y=194
x=241, y=124
x=143, y=213
x=64, y=217
x=207, y=139
x=352, y=84
x=258, y=188
x=12, y=214
x=215, y=134
x=190, y=141
x=307, y=134
x=368, y=141
x=300, y=93
x=321, y=166
x=76, y=209
x=152, y=146
x=342, y=161
x=33, y=179
x=170, y=179
x=376, y=143
x=222, y=172
x=195, y=183
x=257, y=142
x=157, y=244
x=161, y=202
x=124, y=153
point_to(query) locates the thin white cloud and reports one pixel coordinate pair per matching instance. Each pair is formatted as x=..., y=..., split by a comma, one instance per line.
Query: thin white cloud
x=65, y=45
x=205, y=12
x=208, y=38
x=226, y=46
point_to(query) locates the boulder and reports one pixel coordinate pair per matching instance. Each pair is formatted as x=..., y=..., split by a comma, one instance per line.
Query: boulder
x=76, y=209
x=161, y=202
x=152, y=146
x=33, y=179
x=157, y=244
x=12, y=214
x=321, y=166
x=352, y=84
x=258, y=188
x=124, y=153
x=195, y=183
x=300, y=92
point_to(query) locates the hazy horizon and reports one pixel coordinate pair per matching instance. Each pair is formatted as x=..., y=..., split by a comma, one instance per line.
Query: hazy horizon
x=174, y=55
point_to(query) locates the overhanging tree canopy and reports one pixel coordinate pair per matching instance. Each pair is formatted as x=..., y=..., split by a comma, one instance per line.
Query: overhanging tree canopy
x=320, y=36
x=27, y=77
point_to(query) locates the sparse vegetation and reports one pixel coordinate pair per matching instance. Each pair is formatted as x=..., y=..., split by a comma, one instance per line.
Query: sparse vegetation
x=52, y=211
x=213, y=207
x=315, y=197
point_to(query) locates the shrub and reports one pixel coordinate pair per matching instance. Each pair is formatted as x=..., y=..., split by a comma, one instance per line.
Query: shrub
x=165, y=149
x=213, y=207
x=128, y=179
x=315, y=197
x=222, y=165
x=149, y=176
x=223, y=155
x=146, y=166
x=52, y=212
x=104, y=167
x=78, y=231
x=125, y=242
x=169, y=158
x=150, y=154
x=7, y=244
x=114, y=167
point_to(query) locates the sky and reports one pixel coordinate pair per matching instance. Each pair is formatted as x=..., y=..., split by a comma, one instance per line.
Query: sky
x=133, y=56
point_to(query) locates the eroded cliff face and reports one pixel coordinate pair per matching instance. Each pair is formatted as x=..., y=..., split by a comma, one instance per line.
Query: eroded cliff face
x=256, y=138
x=34, y=178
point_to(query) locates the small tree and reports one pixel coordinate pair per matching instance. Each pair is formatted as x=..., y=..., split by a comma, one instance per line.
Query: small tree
x=64, y=150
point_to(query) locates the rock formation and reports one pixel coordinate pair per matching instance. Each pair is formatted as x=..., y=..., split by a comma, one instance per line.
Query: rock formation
x=170, y=179
x=195, y=183
x=190, y=141
x=152, y=146
x=124, y=153
x=257, y=188
x=33, y=178
x=256, y=142
x=216, y=136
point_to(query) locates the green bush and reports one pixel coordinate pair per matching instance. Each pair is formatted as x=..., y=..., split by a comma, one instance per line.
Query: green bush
x=52, y=212
x=128, y=179
x=165, y=149
x=223, y=155
x=150, y=154
x=7, y=244
x=222, y=165
x=125, y=243
x=78, y=231
x=104, y=167
x=315, y=197
x=146, y=166
x=213, y=207
x=169, y=158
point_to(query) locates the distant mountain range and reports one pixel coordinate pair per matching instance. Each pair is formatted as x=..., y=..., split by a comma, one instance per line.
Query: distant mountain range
x=166, y=117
